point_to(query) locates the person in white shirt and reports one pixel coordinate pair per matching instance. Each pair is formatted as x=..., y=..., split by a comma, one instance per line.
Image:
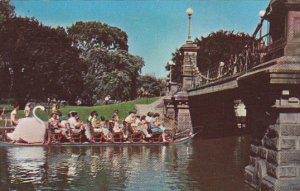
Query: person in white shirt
x=142, y=126
x=130, y=118
x=106, y=99
x=118, y=126
x=149, y=117
x=74, y=124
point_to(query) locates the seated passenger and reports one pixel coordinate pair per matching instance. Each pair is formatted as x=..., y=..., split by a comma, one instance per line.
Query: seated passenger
x=149, y=117
x=91, y=116
x=95, y=123
x=142, y=126
x=55, y=127
x=105, y=128
x=156, y=126
x=130, y=118
x=118, y=126
x=63, y=119
x=75, y=124
x=100, y=127
x=14, y=119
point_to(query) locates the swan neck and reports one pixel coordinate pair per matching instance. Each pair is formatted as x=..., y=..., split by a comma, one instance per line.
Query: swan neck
x=35, y=116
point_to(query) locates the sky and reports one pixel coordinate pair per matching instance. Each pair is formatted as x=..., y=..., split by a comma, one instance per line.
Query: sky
x=155, y=28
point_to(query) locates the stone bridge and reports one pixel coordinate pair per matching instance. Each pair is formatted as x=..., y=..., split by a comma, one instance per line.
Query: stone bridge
x=266, y=78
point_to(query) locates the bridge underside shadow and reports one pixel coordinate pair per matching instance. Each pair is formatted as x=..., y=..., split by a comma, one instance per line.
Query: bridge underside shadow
x=214, y=114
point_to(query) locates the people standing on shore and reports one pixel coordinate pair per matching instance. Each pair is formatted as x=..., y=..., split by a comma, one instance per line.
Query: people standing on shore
x=107, y=99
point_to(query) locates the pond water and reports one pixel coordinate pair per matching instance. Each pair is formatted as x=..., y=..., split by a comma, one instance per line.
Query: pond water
x=204, y=164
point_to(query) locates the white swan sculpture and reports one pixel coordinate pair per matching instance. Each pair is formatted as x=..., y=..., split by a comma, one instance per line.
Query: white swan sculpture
x=30, y=130
x=34, y=114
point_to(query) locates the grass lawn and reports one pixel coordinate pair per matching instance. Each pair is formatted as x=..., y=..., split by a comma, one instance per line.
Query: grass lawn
x=6, y=106
x=103, y=110
x=107, y=110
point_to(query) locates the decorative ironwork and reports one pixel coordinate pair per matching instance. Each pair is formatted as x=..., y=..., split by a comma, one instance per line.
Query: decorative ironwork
x=252, y=55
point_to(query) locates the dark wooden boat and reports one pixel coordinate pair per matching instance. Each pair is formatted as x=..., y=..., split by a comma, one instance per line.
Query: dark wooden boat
x=176, y=141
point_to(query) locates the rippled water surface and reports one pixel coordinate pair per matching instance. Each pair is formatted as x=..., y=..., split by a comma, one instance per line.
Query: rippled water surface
x=204, y=164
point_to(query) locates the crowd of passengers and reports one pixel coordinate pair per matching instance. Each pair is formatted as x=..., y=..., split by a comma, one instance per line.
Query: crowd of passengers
x=145, y=126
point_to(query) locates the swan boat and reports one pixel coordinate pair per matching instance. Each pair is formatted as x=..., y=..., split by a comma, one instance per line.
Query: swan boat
x=35, y=125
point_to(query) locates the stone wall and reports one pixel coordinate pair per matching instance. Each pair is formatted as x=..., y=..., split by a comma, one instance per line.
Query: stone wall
x=177, y=107
x=275, y=163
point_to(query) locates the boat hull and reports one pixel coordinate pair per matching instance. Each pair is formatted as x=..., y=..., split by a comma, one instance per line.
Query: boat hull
x=178, y=141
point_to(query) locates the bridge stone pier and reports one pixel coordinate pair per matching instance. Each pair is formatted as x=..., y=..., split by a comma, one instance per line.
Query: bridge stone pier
x=266, y=77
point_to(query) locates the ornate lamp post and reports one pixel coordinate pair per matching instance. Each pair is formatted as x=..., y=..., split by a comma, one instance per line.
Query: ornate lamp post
x=189, y=12
x=262, y=13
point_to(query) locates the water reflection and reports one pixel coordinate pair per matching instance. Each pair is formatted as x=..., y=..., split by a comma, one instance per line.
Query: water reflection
x=213, y=164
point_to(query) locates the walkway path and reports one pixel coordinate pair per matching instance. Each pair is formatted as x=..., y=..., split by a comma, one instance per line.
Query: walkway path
x=157, y=107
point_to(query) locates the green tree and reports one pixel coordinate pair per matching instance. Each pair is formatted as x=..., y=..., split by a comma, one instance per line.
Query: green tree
x=111, y=73
x=111, y=69
x=41, y=61
x=219, y=46
x=7, y=11
x=150, y=86
x=92, y=34
x=176, y=70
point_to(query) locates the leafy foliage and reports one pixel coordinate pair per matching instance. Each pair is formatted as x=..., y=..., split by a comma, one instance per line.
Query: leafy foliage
x=111, y=69
x=111, y=73
x=40, y=59
x=90, y=60
x=219, y=46
x=150, y=86
x=92, y=34
x=6, y=10
x=176, y=70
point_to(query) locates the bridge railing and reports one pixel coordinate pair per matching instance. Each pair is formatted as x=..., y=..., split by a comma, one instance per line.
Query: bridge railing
x=238, y=63
x=251, y=56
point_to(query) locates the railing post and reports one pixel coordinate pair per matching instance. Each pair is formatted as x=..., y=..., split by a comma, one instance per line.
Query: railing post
x=208, y=76
x=246, y=60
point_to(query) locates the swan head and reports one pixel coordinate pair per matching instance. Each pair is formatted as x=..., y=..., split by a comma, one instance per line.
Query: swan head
x=34, y=114
x=40, y=107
